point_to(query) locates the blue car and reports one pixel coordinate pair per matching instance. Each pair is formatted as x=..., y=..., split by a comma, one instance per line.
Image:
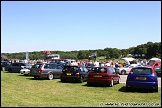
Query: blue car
x=142, y=77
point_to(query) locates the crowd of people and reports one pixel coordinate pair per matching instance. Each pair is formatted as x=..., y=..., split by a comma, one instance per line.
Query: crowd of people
x=85, y=63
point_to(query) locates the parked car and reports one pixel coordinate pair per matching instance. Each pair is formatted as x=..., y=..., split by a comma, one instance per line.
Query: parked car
x=103, y=75
x=158, y=71
x=17, y=66
x=143, y=77
x=76, y=73
x=126, y=69
x=4, y=64
x=154, y=64
x=45, y=70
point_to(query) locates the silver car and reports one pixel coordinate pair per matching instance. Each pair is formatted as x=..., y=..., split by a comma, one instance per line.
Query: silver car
x=126, y=69
x=45, y=70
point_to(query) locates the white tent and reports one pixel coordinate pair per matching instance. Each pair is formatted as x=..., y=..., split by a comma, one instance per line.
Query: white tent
x=128, y=59
x=156, y=59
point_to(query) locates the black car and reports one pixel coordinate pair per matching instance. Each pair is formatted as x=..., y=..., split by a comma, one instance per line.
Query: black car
x=4, y=65
x=75, y=73
x=158, y=71
x=17, y=66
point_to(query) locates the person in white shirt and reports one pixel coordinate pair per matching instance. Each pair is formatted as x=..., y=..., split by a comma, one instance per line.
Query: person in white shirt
x=96, y=63
x=107, y=63
x=102, y=64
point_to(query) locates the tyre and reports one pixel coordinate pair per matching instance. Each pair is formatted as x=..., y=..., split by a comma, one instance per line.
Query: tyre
x=50, y=76
x=112, y=83
x=3, y=68
x=123, y=72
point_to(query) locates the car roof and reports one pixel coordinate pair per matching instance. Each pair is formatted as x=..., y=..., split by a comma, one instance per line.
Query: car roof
x=142, y=67
x=4, y=61
x=73, y=66
x=103, y=67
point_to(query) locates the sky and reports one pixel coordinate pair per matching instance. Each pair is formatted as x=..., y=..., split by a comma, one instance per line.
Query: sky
x=28, y=26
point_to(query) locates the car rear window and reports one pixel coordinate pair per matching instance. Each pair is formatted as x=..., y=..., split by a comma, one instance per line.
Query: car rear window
x=47, y=66
x=37, y=66
x=98, y=69
x=142, y=71
x=68, y=68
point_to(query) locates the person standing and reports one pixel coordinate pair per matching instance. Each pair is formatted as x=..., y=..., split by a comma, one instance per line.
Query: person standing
x=96, y=63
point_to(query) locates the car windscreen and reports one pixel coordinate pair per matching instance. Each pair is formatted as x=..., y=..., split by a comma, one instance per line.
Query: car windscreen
x=98, y=69
x=142, y=71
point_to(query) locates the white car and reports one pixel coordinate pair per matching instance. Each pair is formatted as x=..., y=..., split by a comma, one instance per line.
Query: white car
x=126, y=69
x=25, y=71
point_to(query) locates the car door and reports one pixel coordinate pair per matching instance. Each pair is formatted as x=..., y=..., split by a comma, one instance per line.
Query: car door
x=113, y=74
x=15, y=67
x=56, y=70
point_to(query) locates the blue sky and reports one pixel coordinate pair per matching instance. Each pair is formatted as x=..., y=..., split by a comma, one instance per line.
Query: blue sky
x=78, y=25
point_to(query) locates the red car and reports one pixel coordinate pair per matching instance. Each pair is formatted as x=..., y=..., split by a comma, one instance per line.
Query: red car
x=103, y=75
x=154, y=64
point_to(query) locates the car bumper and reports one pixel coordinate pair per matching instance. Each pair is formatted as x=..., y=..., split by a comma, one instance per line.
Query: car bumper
x=104, y=81
x=70, y=77
x=143, y=85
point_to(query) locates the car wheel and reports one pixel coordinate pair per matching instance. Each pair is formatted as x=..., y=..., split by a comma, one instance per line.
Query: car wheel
x=123, y=72
x=81, y=79
x=112, y=83
x=50, y=76
x=3, y=68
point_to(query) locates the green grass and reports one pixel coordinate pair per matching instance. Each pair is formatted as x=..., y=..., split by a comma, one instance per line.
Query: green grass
x=20, y=91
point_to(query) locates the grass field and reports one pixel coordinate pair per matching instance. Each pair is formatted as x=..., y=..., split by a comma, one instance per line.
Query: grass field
x=23, y=91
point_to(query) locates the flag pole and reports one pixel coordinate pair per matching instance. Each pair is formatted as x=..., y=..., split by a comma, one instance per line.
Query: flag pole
x=96, y=55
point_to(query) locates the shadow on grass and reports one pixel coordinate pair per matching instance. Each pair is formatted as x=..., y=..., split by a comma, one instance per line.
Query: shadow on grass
x=135, y=90
x=96, y=85
x=25, y=75
x=40, y=79
x=8, y=72
x=70, y=81
x=5, y=71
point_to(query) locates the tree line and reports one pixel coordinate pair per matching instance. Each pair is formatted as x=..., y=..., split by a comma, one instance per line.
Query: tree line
x=144, y=51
